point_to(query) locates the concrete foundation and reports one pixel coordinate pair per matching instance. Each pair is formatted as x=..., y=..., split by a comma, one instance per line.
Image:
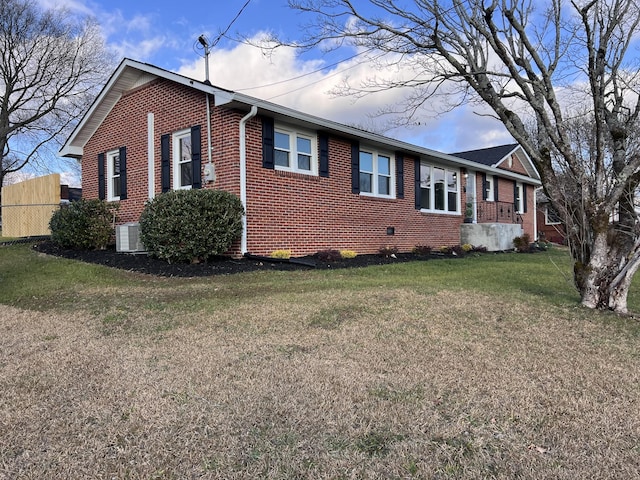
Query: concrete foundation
x=494, y=236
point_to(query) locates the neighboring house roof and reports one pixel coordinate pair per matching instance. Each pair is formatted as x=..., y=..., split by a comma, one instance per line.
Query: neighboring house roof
x=131, y=73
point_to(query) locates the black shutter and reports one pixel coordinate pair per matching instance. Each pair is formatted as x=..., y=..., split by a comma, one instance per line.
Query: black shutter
x=324, y=155
x=123, y=172
x=484, y=186
x=399, y=175
x=268, y=144
x=101, y=180
x=196, y=157
x=524, y=198
x=515, y=194
x=165, y=158
x=495, y=188
x=418, y=193
x=355, y=167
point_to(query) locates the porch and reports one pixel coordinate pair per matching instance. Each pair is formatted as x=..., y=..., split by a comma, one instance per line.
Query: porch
x=494, y=225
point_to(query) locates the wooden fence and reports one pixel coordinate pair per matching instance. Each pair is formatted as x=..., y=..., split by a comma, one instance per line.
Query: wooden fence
x=27, y=206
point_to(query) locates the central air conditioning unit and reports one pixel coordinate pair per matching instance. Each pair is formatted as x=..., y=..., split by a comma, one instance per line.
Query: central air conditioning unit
x=128, y=238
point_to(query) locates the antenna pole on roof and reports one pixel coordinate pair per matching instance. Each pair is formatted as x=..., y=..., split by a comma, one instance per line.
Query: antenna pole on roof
x=205, y=44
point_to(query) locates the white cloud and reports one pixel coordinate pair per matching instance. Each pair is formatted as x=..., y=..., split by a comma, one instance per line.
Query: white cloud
x=287, y=79
x=74, y=6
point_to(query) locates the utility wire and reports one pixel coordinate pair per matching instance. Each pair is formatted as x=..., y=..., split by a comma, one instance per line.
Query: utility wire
x=215, y=42
x=317, y=81
x=308, y=73
x=226, y=30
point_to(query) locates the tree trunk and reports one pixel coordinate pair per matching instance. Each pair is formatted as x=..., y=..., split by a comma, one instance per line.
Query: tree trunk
x=604, y=282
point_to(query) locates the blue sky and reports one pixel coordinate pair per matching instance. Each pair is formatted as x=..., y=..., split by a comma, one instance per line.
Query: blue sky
x=164, y=33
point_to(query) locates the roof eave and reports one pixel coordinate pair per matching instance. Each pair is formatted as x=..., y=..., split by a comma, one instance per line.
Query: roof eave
x=74, y=148
x=71, y=151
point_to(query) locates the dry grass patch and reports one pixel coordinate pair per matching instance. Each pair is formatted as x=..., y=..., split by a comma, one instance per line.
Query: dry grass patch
x=376, y=383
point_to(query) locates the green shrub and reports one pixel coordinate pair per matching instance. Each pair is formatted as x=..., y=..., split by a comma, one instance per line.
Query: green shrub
x=330, y=255
x=422, y=250
x=283, y=254
x=191, y=225
x=388, y=251
x=522, y=244
x=83, y=225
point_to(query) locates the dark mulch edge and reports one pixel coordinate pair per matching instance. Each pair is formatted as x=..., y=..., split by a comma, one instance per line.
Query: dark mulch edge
x=142, y=263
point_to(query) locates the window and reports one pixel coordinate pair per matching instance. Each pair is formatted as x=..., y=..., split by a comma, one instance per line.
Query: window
x=182, y=160
x=551, y=216
x=519, y=198
x=376, y=170
x=439, y=189
x=489, y=189
x=295, y=151
x=425, y=187
x=113, y=175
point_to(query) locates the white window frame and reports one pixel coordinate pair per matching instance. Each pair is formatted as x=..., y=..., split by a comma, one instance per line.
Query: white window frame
x=177, y=161
x=432, y=189
x=490, y=181
x=519, y=200
x=112, y=176
x=375, y=174
x=294, y=134
x=546, y=216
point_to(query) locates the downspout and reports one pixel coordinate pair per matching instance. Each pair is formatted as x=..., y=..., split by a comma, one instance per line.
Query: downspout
x=210, y=175
x=243, y=174
x=535, y=212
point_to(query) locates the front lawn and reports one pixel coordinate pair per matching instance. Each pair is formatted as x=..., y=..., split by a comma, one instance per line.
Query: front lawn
x=482, y=367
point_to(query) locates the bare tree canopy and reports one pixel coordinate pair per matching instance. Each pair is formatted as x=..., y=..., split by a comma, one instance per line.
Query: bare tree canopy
x=50, y=66
x=563, y=78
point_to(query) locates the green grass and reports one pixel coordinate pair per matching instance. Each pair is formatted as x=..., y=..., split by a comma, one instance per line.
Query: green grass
x=39, y=282
x=43, y=283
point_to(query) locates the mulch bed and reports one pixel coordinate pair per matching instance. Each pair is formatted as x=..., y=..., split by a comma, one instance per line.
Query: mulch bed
x=143, y=263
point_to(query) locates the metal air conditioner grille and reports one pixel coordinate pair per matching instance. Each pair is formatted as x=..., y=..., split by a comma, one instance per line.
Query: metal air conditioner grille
x=128, y=238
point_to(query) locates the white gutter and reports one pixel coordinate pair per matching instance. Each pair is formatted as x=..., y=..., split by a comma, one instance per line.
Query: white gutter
x=243, y=174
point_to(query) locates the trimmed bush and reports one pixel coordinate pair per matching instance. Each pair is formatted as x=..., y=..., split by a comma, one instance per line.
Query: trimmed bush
x=83, y=225
x=422, y=250
x=330, y=255
x=522, y=244
x=388, y=251
x=347, y=254
x=191, y=225
x=281, y=254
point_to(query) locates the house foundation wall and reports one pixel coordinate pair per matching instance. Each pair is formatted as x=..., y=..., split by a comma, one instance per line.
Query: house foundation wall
x=494, y=236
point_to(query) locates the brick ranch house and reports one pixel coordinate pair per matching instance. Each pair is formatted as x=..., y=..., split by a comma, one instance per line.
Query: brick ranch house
x=307, y=184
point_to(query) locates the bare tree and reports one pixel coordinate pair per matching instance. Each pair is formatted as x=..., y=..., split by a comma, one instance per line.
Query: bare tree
x=50, y=66
x=545, y=63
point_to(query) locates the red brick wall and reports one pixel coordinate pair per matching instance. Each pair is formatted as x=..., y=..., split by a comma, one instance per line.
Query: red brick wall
x=307, y=213
x=516, y=165
x=552, y=233
x=284, y=210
